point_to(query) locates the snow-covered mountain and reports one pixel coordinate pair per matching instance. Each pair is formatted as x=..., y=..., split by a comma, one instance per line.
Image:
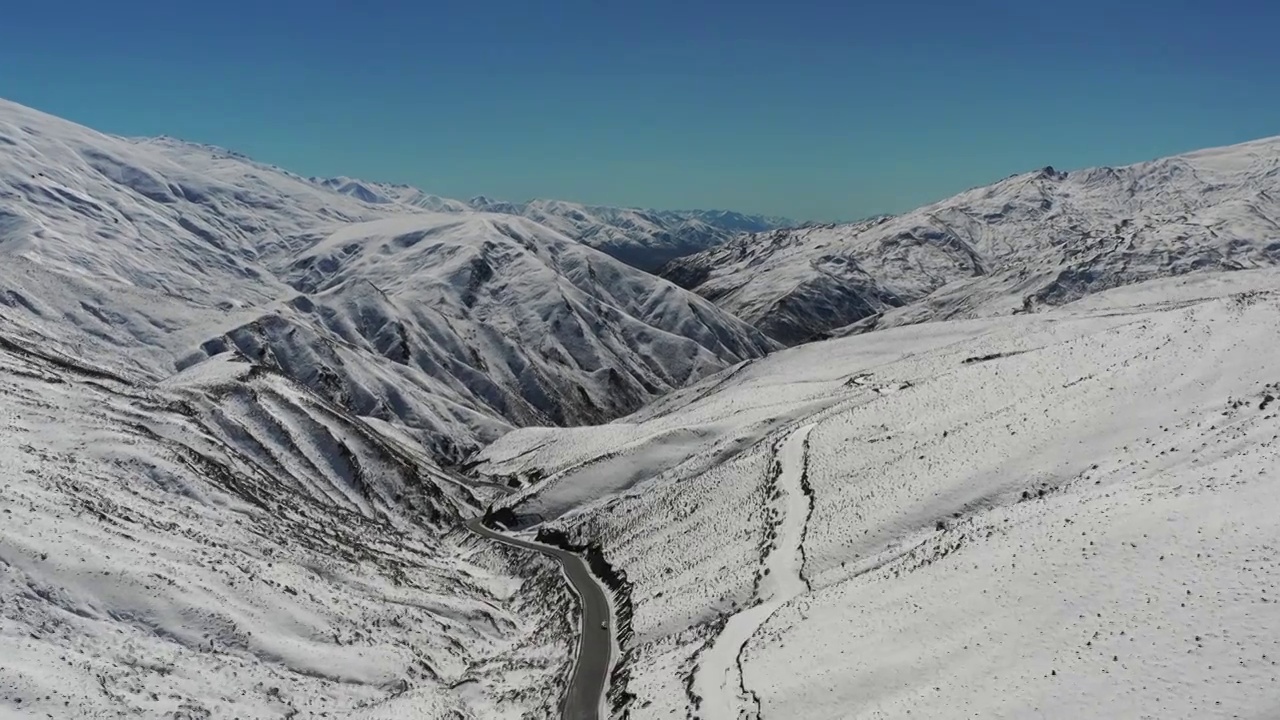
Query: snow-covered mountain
x=646, y=239
x=235, y=404
x=385, y=193
x=515, y=319
x=227, y=391
x=226, y=543
x=453, y=327
x=735, y=222
x=641, y=238
x=1032, y=240
x=1062, y=514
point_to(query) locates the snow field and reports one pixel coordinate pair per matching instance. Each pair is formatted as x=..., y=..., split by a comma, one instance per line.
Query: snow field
x=151, y=567
x=718, y=680
x=995, y=503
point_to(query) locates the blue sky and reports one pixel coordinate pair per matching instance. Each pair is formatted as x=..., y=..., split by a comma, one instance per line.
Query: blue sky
x=817, y=110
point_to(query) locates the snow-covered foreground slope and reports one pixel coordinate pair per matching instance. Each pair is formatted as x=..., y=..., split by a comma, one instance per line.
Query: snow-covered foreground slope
x=227, y=544
x=1062, y=514
x=1033, y=240
x=156, y=254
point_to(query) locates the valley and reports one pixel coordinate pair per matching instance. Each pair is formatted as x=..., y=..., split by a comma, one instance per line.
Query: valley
x=277, y=446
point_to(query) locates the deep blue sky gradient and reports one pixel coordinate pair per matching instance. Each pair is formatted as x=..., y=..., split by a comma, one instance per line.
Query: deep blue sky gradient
x=817, y=110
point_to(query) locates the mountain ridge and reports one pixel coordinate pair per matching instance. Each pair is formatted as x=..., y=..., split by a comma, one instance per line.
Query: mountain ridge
x=171, y=252
x=1032, y=240
x=643, y=238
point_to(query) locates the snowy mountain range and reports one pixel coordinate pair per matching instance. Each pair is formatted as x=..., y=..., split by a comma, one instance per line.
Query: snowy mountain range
x=453, y=327
x=646, y=239
x=1030, y=241
x=197, y=520
x=245, y=417
x=228, y=393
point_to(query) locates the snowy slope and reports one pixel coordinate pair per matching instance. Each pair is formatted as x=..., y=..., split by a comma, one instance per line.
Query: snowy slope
x=1061, y=514
x=221, y=496
x=519, y=322
x=226, y=544
x=155, y=254
x=1032, y=240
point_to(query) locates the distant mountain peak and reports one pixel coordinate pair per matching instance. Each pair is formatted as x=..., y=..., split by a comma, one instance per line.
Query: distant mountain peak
x=646, y=239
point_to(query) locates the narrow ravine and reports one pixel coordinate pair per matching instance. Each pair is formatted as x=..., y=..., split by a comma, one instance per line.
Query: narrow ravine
x=718, y=678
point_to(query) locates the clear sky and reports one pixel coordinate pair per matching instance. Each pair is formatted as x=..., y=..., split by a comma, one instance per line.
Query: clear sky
x=816, y=110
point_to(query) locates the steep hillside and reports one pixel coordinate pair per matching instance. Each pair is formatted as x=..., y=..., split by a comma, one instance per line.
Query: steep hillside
x=1033, y=240
x=418, y=317
x=1056, y=515
x=226, y=544
x=155, y=254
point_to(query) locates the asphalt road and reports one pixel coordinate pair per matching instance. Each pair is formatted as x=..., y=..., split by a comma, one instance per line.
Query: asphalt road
x=591, y=668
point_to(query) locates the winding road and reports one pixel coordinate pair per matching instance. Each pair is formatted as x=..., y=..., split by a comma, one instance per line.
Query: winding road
x=585, y=695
